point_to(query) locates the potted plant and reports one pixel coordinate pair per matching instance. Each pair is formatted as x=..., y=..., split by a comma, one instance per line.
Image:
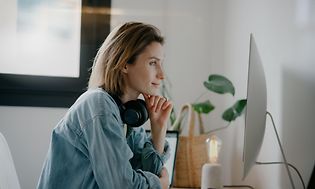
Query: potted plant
x=220, y=85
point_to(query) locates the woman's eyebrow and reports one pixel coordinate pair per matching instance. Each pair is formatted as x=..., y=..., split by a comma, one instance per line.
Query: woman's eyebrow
x=154, y=57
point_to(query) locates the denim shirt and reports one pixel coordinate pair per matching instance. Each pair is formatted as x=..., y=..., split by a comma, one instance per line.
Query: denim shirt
x=89, y=150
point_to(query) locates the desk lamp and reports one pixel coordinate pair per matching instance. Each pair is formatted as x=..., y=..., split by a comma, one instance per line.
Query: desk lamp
x=211, y=176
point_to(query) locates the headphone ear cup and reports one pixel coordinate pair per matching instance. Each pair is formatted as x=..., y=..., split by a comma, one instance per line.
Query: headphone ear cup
x=144, y=110
x=135, y=113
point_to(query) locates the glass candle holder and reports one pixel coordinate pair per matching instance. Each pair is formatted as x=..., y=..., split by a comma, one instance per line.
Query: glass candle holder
x=211, y=176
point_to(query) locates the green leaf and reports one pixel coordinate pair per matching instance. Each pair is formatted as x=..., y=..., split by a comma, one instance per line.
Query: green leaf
x=219, y=84
x=172, y=116
x=229, y=115
x=235, y=111
x=203, y=107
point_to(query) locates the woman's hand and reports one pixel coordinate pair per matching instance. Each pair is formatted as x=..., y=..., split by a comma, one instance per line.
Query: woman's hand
x=164, y=178
x=159, y=109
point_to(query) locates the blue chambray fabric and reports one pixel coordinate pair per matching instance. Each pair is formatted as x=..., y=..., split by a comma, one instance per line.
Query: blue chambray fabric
x=89, y=150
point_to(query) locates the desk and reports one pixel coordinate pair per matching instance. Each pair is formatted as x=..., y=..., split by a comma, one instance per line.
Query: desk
x=199, y=188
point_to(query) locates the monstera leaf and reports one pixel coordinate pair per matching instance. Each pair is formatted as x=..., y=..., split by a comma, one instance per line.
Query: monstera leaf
x=235, y=111
x=203, y=107
x=219, y=84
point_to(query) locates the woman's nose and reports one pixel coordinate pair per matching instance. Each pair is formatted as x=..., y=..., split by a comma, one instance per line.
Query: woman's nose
x=160, y=74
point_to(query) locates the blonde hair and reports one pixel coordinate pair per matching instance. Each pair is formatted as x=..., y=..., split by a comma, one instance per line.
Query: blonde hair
x=121, y=46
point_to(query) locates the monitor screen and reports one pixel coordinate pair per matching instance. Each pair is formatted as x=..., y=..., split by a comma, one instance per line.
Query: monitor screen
x=255, y=117
x=172, y=139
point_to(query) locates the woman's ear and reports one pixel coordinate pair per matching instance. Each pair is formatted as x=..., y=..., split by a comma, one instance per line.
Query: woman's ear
x=125, y=69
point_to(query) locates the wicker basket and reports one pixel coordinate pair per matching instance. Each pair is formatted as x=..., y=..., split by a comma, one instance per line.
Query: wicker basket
x=191, y=152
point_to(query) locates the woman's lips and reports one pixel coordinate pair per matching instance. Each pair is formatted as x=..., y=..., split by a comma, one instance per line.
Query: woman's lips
x=156, y=85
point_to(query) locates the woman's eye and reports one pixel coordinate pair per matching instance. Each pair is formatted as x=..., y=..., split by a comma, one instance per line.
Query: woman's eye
x=152, y=63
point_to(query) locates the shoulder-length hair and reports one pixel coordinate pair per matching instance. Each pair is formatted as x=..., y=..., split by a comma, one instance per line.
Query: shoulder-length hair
x=122, y=46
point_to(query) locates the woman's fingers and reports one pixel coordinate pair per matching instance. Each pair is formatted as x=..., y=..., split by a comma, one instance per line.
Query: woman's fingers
x=166, y=105
x=146, y=97
x=149, y=100
x=156, y=103
x=160, y=103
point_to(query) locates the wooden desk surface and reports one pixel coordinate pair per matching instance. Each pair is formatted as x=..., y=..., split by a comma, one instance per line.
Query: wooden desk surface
x=199, y=188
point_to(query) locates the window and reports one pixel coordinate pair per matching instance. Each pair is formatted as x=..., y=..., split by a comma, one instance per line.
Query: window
x=48, y=50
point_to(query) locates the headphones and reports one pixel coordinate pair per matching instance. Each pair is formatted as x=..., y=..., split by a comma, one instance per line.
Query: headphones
x=133, y=113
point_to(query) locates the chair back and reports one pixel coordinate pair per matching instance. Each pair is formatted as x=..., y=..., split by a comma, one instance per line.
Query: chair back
x=8, y=176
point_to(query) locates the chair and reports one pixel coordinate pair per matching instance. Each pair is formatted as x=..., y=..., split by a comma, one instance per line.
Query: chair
x=8, y=176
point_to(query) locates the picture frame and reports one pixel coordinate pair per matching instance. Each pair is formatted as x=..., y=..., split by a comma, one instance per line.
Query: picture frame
x=55, y=91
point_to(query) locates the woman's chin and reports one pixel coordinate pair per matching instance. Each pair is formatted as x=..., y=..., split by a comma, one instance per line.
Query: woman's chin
x=153, y=92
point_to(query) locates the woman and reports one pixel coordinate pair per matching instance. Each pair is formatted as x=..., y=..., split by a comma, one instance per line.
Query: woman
x=91, y=147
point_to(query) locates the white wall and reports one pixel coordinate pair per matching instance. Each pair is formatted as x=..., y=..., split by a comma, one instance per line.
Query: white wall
x=285, y=36
x=204, y=37
x=186, y=26
x=27, y=131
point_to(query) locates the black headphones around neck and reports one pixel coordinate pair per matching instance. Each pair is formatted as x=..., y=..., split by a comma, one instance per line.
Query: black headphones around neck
x=133, y=113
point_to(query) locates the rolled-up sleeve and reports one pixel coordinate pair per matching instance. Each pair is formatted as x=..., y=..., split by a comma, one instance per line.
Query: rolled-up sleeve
x=109, y=154
x=153, y=161
x=145, y=155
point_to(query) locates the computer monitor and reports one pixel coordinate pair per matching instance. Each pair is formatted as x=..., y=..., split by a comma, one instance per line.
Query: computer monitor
x=172, y=139
x=256, y=108
x=256, y=111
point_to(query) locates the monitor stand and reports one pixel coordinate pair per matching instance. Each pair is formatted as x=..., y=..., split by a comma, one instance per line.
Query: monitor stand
x=282, y=151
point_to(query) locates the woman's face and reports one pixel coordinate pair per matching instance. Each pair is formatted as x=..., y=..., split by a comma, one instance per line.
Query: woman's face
x=145, y=74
